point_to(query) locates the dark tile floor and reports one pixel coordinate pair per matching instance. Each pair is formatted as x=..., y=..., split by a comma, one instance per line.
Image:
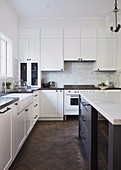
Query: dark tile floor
x=52, y=146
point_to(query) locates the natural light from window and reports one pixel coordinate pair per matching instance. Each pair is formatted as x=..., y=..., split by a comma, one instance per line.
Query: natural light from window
x=5, y=57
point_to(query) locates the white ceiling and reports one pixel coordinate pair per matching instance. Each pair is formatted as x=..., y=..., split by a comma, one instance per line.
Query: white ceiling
x=62, y=8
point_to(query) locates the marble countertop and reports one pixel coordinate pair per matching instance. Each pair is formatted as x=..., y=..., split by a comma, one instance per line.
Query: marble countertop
x=108, y=103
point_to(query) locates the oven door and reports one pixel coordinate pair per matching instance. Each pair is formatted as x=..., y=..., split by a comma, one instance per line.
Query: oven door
x=72, y=101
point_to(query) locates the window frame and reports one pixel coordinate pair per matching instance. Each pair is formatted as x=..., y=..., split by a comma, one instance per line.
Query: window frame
x=9, y=58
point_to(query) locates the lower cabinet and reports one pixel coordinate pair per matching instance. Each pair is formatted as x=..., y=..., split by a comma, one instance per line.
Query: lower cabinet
x=51, y=104
x=85, y=126
x=6, y=137
x=35, y=107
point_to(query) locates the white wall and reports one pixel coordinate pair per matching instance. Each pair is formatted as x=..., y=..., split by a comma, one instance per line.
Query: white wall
x=8, y=26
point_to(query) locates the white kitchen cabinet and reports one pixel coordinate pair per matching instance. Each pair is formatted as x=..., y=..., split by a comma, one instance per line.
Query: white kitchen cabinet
x=105, y=33
x=23, y=49
x=52, y=55
x=54, y=33
x=60, y=104
x=21, y=128
x=28, y=120
x=35, y=107
x=70, y=33
x=88, y=33
x=88, y=49
x=5, y=137
x=72, y=48
x=29, y=33
x=29, y=71
x=51, y=105
x=15, y=130
x=29, y=49
x=107, y=50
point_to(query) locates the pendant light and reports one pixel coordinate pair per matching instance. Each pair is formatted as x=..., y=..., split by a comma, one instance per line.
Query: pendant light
x=113, y=19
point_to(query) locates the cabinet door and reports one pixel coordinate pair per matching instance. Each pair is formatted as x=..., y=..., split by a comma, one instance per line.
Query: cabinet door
x=21, y=128
x=23, y=49
x=71, y=49
x=72, y=33
x=15, y=130
x=5, y=137
x=88, y=49
x=34, y=47
x=28, y=33
x=88, y=33
x=60, y=103
x=52, y=33
x=28, y=120
x=52, y=55
x=106, y=54
x=48, y=103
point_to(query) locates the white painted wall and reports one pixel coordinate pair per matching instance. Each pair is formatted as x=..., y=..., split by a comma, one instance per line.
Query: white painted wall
x=9, y=24
x=9, y=27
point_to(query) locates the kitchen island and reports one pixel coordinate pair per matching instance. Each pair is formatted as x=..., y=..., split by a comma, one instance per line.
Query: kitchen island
x=108, y=104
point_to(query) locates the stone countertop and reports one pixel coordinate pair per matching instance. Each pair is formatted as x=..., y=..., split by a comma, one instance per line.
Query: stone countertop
x=6, y=101
x=108, y=103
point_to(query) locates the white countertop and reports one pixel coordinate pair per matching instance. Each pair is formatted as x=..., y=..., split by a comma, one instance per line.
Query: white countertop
x=108, y=103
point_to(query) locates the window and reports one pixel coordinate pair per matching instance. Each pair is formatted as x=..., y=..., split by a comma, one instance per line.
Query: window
x=5, y=56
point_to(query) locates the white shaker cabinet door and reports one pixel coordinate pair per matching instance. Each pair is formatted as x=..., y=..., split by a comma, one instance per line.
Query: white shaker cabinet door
x=23, y=49
x=60, y=103
x=5, y=137
x=48, y=103
x=72, y=49
x=21, y=128
x=88, y=49
x=52, y=55
x=34, y=46
x=107, y=54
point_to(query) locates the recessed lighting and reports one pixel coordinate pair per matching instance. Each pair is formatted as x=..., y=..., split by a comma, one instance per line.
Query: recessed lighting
x=47, y=6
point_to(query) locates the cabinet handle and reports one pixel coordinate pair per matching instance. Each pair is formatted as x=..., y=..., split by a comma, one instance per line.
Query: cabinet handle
x=35, y=116
x=60, y=90
x=83, y=119
x=16, y=103
x=35, y=95
x=98, y=69
x=28, y=59
x=35, y=105
x=56, y=90
x=5, y=110
x=26, y=110
x=61, y=68
x=78, y=58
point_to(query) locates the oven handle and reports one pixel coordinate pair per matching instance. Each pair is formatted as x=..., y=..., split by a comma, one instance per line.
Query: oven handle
x=77, y=96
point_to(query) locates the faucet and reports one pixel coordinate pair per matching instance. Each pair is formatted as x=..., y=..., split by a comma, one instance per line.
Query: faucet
x=5, y=87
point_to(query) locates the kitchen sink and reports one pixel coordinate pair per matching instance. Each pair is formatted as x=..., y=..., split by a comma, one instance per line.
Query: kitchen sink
x=24, y=100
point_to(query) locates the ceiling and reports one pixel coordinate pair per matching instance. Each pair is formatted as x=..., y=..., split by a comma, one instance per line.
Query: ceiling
x=62, y=8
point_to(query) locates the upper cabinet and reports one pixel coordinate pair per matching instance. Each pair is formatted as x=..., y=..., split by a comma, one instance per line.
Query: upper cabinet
x=107, y=50
x=52, y=55
x=72, y=44
x=72, y=33
x=88, y=44
x=80, y=44
x=29, y=44
x=89, y=33
x=52, y=49
x=52, y=33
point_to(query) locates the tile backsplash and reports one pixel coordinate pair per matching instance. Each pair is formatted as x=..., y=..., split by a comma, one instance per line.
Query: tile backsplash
x=80, y=73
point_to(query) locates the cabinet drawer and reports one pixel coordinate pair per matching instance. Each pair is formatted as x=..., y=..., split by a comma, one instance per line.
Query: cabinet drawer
x=84, y=137
x=86, y=116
